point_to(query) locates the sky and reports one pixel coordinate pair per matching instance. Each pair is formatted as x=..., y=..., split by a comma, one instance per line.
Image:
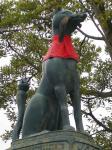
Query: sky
x=88, y=28
x=4, y=125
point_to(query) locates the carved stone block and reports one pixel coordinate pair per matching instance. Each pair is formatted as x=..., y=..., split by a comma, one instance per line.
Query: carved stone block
x=57, y=140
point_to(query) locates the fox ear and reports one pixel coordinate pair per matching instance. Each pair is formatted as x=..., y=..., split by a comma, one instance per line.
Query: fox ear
x=62, y=27
x=56, y=11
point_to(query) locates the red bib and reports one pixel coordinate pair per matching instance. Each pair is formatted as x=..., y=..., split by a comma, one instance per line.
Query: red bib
x=62, y=49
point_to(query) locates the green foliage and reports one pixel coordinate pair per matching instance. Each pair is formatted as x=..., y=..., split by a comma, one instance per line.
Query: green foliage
x=25, y=34
x=103, y=140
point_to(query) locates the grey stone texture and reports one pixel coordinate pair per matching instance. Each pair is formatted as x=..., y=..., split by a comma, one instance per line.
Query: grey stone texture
x=56, y=140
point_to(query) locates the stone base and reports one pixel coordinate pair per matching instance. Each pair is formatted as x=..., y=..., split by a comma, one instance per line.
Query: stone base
x=56, y=140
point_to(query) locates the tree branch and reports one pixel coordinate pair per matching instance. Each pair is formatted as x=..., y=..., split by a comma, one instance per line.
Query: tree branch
x=80, y=46
x=22, y=56
x=96, y=120
x=99, y=94
x=13, y=30
x=89, y=36
x=97, y=132
x=91, y=16
x=102, y=17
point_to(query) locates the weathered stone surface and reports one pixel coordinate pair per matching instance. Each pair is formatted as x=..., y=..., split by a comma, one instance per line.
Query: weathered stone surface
x=57, y=140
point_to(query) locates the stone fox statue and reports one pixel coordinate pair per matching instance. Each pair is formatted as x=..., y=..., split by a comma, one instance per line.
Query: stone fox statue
x=47, y=109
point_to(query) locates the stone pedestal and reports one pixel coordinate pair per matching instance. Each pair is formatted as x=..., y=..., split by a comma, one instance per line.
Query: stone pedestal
x=56, y=140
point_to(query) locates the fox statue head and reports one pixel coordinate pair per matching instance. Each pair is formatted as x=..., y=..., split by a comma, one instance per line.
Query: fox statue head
x=65, y=22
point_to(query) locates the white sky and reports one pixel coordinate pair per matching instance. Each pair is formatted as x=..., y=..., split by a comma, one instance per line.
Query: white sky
x=4, y=125
x=87, y=27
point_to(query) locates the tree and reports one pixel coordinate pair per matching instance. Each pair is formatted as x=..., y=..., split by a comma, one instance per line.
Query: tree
x=25, y=33
x=101, y=10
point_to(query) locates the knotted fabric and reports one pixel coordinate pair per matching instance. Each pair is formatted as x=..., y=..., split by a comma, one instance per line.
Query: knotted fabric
x=62, y=49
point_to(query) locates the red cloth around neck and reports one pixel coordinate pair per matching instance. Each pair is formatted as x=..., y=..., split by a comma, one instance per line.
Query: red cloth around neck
x=62, y=49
